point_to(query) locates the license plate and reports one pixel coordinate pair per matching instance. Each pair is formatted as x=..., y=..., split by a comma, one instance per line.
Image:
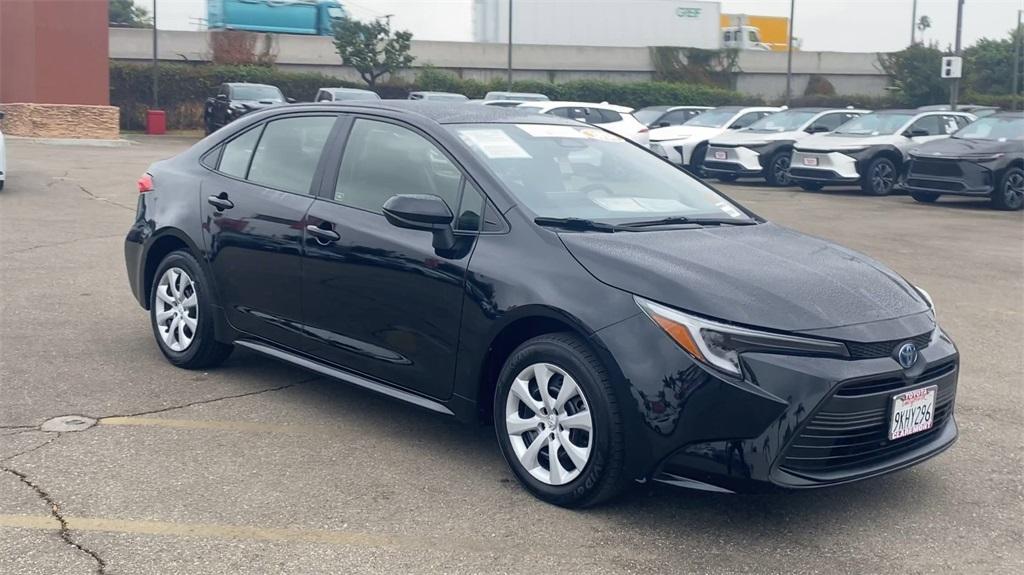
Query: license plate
x=912, y=412
x=719, y=155
x=810, y=161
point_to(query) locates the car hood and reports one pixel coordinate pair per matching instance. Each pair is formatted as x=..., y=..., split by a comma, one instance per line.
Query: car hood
x=762, y=276
x=961, y=148
x=841, y=142
x=257, y=104
x=684, y=132
x=745, y=138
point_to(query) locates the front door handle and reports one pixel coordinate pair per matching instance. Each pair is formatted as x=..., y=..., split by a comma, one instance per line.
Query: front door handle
x=323, y=236
x=220, y=202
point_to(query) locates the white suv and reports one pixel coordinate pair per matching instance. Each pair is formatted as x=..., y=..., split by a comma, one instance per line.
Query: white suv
x=869, y=150
x=763, y=149
x=618, y=119
x=685, y=144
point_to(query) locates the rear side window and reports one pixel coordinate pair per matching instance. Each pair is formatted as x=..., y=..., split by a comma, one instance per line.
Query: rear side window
x=950, y=124
x=599, y=116
x=383, y=160
x=289, y=151
x=234, y=161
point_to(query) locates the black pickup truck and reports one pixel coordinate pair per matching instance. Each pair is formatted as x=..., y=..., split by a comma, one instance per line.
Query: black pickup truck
x=236, y=99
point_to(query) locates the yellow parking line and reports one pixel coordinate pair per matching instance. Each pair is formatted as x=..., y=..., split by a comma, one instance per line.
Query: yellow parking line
x=165, y=528
x=243, y=426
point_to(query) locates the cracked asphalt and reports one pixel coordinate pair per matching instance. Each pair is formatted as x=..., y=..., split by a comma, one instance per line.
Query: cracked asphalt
x=259, y=467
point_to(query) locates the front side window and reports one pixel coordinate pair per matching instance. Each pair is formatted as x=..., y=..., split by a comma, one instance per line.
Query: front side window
x=383, y=160
x=677, y=117
x=289, y=151
x=874, y=124
x=832, y=121
x=581, y=172
x=713, y=118
x=746, y=120
x=930, y=124
x=234, y=161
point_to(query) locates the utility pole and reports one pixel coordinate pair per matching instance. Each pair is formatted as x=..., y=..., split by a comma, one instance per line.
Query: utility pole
x=509, y=45
x=789, y=53
x=1018, y=47
x=156, y=65
x=913, y=24
x=954, y=91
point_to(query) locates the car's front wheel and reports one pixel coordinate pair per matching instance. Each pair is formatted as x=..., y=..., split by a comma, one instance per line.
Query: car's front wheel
x=181, y=313
x=1010, y=193
x=558, y=424
x=880, y=177
x=777, y=173
x=925, y=197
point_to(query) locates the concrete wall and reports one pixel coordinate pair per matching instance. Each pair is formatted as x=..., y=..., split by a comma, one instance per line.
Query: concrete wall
x=763, y=73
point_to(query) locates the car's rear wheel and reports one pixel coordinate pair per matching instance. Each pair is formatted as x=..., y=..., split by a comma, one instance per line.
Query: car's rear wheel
x=778, y=169
x=1010, y=193
x=811, y=186
x=182, y=315
x=558, y=424
x=879, y=178
x=925, y=197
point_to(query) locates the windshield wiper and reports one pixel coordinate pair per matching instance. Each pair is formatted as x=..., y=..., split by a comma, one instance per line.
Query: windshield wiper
x=578, y=224
x=672, y=220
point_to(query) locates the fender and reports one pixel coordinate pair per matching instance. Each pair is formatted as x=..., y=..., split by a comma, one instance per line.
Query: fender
x=867, y=155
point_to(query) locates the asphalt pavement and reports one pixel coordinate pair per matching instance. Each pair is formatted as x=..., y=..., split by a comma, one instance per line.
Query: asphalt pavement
x=259, y=467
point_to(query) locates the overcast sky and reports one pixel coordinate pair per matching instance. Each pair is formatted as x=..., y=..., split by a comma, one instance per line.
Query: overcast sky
x=827, y=25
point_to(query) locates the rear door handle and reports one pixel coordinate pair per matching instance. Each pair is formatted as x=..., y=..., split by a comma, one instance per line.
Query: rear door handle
x=323, y=236
x=220, y=202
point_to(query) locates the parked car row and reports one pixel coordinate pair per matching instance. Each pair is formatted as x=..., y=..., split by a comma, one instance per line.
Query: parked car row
x=809, y=147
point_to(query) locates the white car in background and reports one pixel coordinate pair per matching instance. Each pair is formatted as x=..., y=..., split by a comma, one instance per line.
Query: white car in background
x=869, y=150
x=345, y=94
x=3, y=157
x=617, y=119
x=685, y=144
x=764, y=148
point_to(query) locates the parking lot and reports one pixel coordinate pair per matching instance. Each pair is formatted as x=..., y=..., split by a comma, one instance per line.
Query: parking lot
x=259, y=467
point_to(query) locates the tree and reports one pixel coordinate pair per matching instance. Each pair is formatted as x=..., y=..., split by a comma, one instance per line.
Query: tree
x=923, y=23
x=915, y=75
x=126, y=14
x=371, y=48
x=988, y=65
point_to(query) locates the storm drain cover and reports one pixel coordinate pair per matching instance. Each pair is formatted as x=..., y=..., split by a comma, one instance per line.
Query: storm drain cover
x=68, y=423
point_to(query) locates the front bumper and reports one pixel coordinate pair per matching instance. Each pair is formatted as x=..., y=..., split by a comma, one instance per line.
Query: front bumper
x=948, y=176
x=823, y=167
x=795, y=422
x=739, y=161
x=679, y=152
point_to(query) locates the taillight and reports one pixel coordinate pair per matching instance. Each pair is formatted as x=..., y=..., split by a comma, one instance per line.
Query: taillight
x=146, y=183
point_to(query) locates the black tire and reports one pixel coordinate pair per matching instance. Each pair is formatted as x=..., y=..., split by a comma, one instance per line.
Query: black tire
x=727, y=177
x=697, y=159
x=776, y=173
x=925, y=197
x=811, y=186
x=1010, y=193
x=204, y=350
x=880, y=177
x=603, y=475
x=2, y=184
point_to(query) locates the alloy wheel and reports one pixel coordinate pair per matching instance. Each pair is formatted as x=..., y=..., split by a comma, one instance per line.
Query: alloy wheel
x=549, y=423
x=1013, y=191
x=177, y=313
x=882, y=177
x=780, y=170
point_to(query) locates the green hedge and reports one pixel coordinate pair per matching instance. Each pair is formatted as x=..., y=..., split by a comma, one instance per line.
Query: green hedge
x=837, y=101
x=184, y=88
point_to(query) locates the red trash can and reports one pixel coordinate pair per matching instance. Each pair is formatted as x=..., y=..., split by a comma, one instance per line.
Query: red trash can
x=156, y=122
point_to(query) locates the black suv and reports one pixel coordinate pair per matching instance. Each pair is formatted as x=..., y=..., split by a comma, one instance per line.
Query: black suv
x=235, y=99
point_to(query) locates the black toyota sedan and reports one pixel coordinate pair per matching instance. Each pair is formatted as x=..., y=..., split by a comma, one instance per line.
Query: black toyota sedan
x=984, y=159
x=616, y=319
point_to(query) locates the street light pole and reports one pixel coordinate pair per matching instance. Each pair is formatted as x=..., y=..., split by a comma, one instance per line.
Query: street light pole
x=509, y=45
x=913, y=24
x=1018, y=47
x=789, y=53
x=156, y=71
x=954, y=92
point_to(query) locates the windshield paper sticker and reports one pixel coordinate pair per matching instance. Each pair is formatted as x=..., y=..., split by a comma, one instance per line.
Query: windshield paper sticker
x=729, y=209
x=552, y=131
x=641, y=205
x=495, y=144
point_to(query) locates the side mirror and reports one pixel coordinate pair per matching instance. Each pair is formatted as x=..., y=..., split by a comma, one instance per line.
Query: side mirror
x=222, y=97
x=915, y=133
x=290, y=100
x=817, y=129
x=662, y=125
x=422, y=212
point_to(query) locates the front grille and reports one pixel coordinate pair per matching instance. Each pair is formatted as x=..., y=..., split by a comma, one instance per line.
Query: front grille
x=893, y=382
x=935, y=184
x=884, y=348
x=722, y=166
x=931, y=167
x=819, y=174
x=851, y=431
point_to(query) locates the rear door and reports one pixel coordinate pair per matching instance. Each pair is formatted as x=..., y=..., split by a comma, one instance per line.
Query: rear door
x=254, y=207
x=380, y=300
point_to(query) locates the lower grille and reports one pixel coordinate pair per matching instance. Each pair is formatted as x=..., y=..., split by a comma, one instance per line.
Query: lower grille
x=922, y=183
x=930, y=167
x=819, y=174
x=852, y=431
x=722, y=166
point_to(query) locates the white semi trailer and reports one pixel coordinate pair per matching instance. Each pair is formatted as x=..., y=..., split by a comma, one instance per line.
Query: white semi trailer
x=632, y=23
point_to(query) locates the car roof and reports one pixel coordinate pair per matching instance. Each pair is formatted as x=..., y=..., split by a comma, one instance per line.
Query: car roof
x=443, y=112
x=560, y=104
x=437, y=93
x=341, y=89
x=1006, y=115
x=249, y=84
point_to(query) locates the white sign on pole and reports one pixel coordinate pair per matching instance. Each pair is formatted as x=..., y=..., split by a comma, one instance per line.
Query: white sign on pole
x=952, y=66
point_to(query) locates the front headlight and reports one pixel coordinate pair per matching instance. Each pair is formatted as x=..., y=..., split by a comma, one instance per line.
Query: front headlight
x=719, y=345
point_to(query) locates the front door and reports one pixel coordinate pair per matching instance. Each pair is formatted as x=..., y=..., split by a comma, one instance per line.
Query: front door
x=254, y=209
x=379, y=300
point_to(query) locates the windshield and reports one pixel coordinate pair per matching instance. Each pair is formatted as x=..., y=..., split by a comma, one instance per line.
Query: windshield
x=648, y=116
x=998, y=129
x=563, y=171
x=782, y=122
x=874, y=124
x=256, y=93
x=712, y=119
